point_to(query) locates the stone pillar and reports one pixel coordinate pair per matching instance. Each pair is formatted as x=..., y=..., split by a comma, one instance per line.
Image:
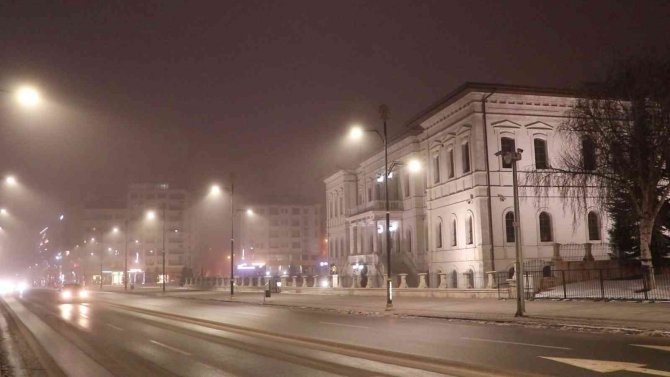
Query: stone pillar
x=294, y=282
x=422, y=280
x=588, y=256
x=371, y=281
x=304, y=281
x=283, y=280
x=443, y=280
x=491, y=282
x=356, y=281
x=557, y=252
x=403, y=281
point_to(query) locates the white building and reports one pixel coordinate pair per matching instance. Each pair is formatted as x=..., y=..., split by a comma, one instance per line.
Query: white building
x=285, y=238
x=456, y=216
x=174, y=227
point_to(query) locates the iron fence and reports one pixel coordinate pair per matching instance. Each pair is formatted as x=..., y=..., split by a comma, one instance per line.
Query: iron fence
x=601, y=284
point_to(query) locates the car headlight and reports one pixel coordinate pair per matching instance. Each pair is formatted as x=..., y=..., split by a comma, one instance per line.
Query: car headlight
x=66, y=295
x=83, y=294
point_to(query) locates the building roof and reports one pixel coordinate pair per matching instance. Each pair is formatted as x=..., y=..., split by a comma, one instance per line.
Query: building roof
x=469, y=87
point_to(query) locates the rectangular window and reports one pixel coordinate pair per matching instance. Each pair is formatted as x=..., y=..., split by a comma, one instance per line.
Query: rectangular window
x=450, y=163
x=436, y=169
x=541, y=161
x=465, y=149
x=507, y=144
x=406, y=185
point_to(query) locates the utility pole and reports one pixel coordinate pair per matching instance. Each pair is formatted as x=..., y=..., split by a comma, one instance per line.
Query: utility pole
x=125, y=262
x=164, y=251
x=383, y=113
x=232, y=235
x=513, y=157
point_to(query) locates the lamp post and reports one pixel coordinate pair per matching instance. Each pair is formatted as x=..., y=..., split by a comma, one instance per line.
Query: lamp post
x=512, y=157
x=357, y=133
x=151, y=215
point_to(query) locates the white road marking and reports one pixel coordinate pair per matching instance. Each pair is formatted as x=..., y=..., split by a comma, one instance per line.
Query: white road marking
x=170, y=347
x=605, y=366
x=344, y=324
x=114, y=327
x=660, y=348
x=516, y=343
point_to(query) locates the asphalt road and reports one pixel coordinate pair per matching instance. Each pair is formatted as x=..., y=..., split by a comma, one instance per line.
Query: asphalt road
x=134, y=335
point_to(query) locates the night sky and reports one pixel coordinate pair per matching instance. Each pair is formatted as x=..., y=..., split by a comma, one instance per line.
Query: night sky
x=190, y=91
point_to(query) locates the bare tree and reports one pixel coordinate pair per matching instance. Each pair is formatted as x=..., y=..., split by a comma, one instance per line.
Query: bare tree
x=617, y=142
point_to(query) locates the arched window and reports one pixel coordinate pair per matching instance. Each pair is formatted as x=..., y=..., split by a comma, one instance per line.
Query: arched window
x=588, y=153
x=509, y=227
x=594, y=226
x=438, y=233
x=468, y=230
x=545, y=227
x=541, y=160
x=507, y=145
x=454, y=237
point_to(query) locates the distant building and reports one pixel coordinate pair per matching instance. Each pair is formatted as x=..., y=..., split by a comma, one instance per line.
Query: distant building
x=456, y=216
x=99, y=236
x=175, y=226
x=287, y=239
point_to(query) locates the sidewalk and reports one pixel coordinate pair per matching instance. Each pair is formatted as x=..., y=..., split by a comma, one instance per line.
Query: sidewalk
x=620, y=317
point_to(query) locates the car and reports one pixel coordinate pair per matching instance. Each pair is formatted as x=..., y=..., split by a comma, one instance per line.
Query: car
x=73, y=292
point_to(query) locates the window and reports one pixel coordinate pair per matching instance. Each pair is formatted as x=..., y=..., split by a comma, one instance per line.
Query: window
x=509, y=227
x=594, y=226
x=454, y=238
x=450, y=163
x=545, y=227
x=406, y=184
x=541, y=160
x=588, y=153
x=295, y=211
x=369, y=194
x=409, y=240
x=465, y=151
x=341, y=205
x=438, y=233
x=436, y=169
x=507, y=145
x=468, y=230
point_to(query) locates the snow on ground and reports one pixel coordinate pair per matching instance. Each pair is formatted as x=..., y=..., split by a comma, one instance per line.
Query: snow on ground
x=613, y=289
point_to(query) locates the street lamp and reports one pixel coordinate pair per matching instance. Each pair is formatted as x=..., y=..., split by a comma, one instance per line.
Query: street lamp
x=151, y=215
x=10, y=180
x=356, y=133
x=512, y=157
x=28, y=96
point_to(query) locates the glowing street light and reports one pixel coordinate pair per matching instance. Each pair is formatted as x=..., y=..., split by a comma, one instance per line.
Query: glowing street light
x=3, y=212
x=356, y=132
x=215, y=190
x=414, y=166
x=250, y=212
x=28, y=96
x=10, y=180
x=151, y=215
x=115, y=229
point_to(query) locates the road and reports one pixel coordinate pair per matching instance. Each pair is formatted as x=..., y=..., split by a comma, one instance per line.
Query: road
x=116, y=334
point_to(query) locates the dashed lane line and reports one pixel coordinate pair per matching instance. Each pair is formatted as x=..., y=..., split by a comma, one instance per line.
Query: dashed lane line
x=169, y=347
x=515, y=343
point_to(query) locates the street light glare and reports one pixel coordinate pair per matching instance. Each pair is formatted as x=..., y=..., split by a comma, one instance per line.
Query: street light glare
x=250, y=212
x=151, y=215
x=28, y=96
x=215, y=190
x=356, y=132
x=3, y=211
x=115, y=230
x=10, y=180
x=414, y=166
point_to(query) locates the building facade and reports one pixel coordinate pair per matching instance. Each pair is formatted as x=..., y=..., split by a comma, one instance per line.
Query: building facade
x=168, y=231
x=456, y=216
x=286, y=239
